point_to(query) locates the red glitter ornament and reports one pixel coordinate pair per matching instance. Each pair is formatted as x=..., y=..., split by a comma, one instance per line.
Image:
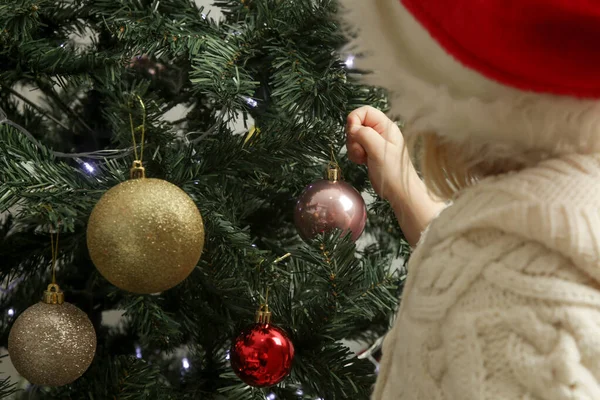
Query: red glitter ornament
x=329, y=204
x=262, y=354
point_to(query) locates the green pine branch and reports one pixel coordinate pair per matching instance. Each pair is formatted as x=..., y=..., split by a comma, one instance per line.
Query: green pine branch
x=7, y=388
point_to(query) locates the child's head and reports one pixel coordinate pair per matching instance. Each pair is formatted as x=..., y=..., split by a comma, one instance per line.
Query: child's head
x=488, y=86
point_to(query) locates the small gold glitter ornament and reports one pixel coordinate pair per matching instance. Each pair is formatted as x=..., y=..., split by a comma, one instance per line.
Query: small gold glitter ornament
x=52, y=343
x=145, y=235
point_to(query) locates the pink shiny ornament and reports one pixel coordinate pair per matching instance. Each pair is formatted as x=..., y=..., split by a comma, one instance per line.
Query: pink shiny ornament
x=262, y=355
x=329, y=204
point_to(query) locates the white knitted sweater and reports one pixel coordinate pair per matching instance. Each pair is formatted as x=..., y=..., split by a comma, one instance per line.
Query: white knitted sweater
x=502, y=301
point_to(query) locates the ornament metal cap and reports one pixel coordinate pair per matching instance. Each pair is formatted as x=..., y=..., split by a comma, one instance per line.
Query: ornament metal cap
x=333, y=172
x=53, y=294
x=137, y=171
x=263, y=315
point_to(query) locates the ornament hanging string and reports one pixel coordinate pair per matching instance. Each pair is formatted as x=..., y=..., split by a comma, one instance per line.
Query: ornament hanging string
x=53, y=294
x=333, y=168
x=54, y=245
x=141, y=127
x=263, y=314
x=137, y=169
x=266, y=303
x=333, y=159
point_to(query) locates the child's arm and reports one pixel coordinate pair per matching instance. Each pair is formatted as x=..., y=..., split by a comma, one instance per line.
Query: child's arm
x=373, y=139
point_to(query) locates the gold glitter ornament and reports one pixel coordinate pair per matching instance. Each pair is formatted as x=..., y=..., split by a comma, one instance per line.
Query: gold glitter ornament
x=52, y=343
x=145, y=235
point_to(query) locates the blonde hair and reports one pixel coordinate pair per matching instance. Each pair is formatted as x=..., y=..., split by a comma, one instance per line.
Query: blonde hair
x=447, y=168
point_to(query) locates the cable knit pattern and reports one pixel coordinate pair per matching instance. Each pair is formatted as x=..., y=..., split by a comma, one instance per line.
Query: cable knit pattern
x=503, y=296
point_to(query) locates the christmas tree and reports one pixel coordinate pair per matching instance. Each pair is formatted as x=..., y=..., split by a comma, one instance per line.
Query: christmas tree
x=260, y=98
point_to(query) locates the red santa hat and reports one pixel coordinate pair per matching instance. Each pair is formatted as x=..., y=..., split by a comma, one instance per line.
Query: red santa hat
x=506, y=77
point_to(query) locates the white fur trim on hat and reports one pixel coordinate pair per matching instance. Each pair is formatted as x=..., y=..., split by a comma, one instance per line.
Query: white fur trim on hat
x=432, y=92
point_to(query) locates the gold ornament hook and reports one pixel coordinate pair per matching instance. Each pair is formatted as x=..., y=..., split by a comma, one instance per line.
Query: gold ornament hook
x=333, y=171
x=263, y=315
x=137, y=171
x=53, y=294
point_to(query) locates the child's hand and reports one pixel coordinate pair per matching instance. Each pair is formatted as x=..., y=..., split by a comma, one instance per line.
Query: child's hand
x=373, y=139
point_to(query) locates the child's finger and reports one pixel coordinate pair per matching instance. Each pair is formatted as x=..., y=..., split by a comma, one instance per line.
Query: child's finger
x=378, y=121
x=356, y=153
x=369, y=139
x=368, y=116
